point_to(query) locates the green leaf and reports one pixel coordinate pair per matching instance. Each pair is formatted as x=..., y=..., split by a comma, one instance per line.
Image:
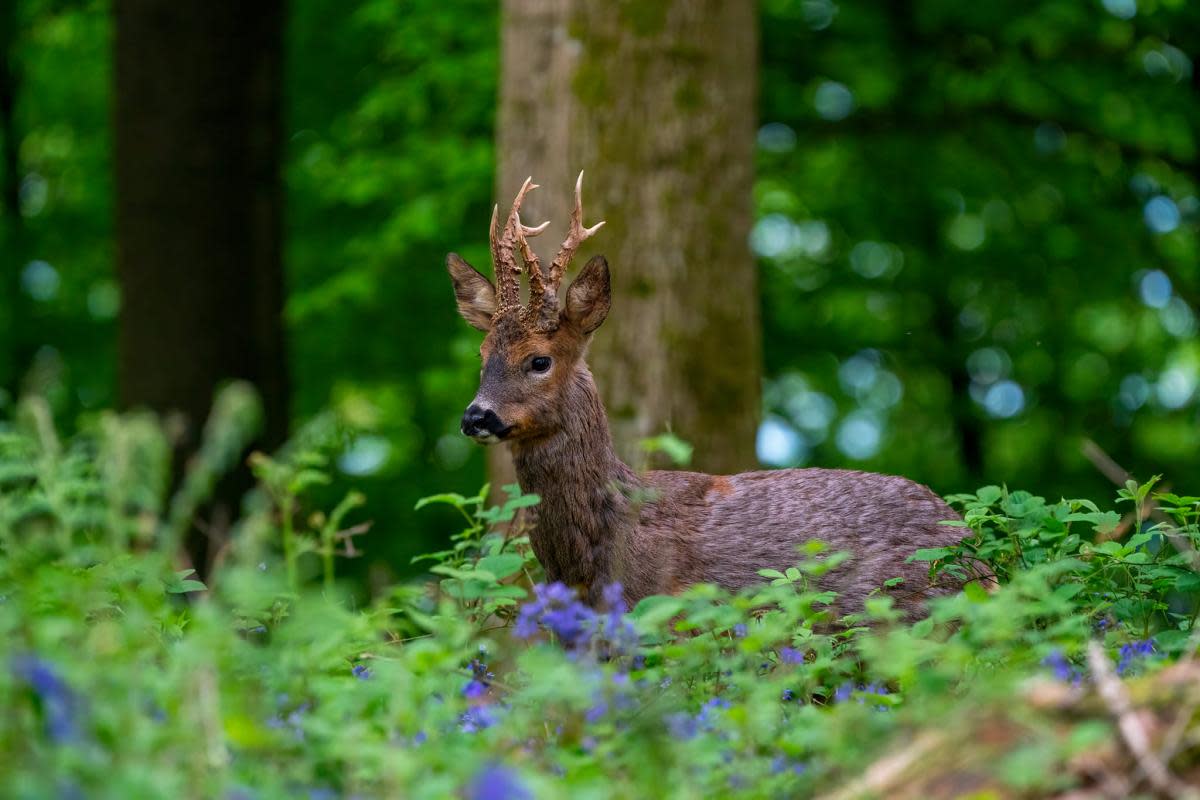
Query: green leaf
x=446, y=498
x=502, y=565
x=771, y=573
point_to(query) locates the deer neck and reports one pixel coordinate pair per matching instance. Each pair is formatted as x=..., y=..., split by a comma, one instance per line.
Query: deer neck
x=584, y=518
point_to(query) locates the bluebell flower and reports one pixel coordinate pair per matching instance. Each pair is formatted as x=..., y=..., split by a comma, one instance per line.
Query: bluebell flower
x=1062, y=669
x=682, y=726
x=614, y=598
x=1133, y=653
x=497, y=782
x=740, y=630
x=58, y=702
x=781, y=764
x=842, y=693
x=473, y=690
x=361, y=671
x=596, y=712
x=788, y=695
x=476, y=718
x=790, y=655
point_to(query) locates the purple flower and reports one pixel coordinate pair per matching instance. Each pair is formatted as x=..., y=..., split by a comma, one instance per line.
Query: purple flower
x=682, y=726
x=788, y=695
x=480, y=679
x=596, y=712
x=556, y=609
x=58, y=702
x=476, y=718
x=614, y=598
x=781, y=764
x=790, y=655
x=1133, y=653
x=361, y=671
x=497, y=782
x=739, y=630
x=1062, y=668
x=843, y=692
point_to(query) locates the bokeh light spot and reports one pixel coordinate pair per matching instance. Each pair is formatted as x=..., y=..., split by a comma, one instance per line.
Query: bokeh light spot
x=1004, y=399
x=1161, y=214
x=40, y=280
x=1155, y=288
x=778, y=444
x=776, y=137
x=859, y=435
x=833, y=101
x=1121, y=9
x=366, y=455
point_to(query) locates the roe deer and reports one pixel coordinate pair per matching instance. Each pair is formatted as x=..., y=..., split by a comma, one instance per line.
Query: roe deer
x=657, y=533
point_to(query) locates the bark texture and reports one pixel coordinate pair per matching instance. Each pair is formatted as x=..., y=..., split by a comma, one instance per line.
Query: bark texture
x=655, y=101
x=198, y=203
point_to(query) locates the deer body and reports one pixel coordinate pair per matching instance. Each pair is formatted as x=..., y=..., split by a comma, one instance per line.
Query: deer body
x=662, y=531
x=657, y=533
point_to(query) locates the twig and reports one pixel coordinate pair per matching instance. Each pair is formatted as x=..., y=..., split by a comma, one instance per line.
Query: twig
x=1117, y=474
x=1113, y=693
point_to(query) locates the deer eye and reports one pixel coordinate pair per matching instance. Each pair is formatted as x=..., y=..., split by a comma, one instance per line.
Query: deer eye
x=540, y=364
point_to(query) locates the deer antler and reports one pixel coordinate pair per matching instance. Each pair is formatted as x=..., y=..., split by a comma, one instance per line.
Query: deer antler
x=576, y=235
x=543, y=289
x=504, y=260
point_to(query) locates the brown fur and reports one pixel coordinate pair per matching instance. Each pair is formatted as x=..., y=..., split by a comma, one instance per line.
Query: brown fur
x=599, y=521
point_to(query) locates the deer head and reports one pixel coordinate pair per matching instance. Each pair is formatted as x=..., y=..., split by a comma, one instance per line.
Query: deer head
x=531, y=353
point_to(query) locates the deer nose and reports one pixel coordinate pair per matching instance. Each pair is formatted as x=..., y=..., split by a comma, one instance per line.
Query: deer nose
x=479, y=421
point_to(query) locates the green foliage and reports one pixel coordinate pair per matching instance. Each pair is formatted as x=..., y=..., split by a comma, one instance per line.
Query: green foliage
x=124, y=676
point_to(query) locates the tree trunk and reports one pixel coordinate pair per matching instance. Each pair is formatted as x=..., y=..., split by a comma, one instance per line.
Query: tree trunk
x=13, y=317
x=198, y=99
x=656, y=101
x=198, y=204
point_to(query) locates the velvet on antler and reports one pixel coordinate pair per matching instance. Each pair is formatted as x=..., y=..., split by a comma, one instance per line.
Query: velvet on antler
x=541, y=313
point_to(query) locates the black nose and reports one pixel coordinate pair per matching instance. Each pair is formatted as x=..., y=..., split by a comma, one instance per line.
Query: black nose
x=478, y=421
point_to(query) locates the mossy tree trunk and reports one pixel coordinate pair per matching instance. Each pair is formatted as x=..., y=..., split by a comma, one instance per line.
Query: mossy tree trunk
x=656, y=102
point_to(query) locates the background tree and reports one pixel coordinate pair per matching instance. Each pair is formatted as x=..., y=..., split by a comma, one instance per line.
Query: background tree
x=198, y=127
x=199, y=203
x=656, y=102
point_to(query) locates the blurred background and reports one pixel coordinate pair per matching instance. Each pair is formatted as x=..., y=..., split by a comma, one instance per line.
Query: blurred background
x=950, y=241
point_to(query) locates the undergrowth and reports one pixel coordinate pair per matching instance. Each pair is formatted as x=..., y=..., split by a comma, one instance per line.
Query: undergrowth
x=124, y=676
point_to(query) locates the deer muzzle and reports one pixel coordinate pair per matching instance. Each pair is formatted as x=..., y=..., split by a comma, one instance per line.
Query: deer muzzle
x=482, y=424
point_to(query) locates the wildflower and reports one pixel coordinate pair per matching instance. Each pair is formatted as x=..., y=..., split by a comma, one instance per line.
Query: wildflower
x=58, y=702
x=480, y=679
x=842, y=693
x=781, y=764
x=788, y=695
x=1062, y=668
x=497, y=782
x=682, y=726
x=790, y=655
x=614, y=598
x=361, y=672
x=596, y=712
x=1133, y=653
x=476, y=718
x=555, y=608
x=740, y=630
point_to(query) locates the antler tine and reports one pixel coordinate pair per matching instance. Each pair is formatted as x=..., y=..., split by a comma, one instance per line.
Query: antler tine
x=508, y=269
x=576, y=235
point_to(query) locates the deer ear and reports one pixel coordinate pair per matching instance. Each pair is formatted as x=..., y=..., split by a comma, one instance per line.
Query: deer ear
x=589, y=296
x=475, y=294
